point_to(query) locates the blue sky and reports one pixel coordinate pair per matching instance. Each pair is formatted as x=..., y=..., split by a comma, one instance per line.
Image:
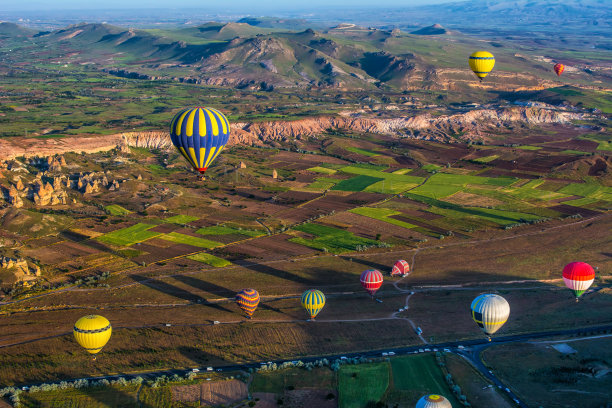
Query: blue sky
x=34, y=5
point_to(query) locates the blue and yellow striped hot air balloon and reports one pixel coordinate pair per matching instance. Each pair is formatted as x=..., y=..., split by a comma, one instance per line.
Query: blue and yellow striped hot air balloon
x=247, y=300
x=199, y=134
x=313, y=301
x=482, y=62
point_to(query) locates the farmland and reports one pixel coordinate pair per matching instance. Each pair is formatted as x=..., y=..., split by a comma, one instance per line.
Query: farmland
x=315, y=187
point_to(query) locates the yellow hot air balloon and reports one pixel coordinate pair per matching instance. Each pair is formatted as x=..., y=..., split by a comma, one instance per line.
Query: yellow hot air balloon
x=313, y=301
x=92, y=332
x=482, y=62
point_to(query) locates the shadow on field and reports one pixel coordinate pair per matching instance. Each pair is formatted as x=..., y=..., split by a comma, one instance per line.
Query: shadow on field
x=194, y=354
x=114, y=397
x=371, y=265
x=277, y=273
x=172, y=290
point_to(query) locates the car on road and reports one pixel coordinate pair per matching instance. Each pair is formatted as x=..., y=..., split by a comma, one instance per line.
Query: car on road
x=195, y=370
x=385, y=354
x=391, y=353
x=209, y=368
x=419, y=331
x=460, y=347
x=507, y=390
x=447, y=350
x=421, y=350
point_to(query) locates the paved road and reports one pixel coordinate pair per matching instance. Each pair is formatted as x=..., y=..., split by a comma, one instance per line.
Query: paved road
x=469, y=349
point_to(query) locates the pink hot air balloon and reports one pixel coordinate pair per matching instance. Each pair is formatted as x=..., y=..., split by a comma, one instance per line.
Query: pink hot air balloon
x=400, y=268
x=371, y=280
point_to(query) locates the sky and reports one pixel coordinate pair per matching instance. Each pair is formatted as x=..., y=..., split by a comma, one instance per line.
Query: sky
x=39, y=5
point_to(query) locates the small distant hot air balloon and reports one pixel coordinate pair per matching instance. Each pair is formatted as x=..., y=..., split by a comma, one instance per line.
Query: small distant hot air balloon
x=247, y=300
x=559, y=69
x=199, y=134
x=490, y=312
x=371, y=280
x=482, y=62
x=578, y=276
x=433, y=401
x=313, y=301
x=92, y=333
x=400, y=268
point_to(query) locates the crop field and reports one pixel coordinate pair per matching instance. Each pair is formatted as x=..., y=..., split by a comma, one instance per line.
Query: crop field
x=190, y=240
x=415, y=376
x=487, y=159
x=362, y=151
x=546, y=377
x=181, y=219
x=331, y=239
x=362, y=384
x=210, y=260
x=389, y=183
x=382, y=214
x=322, y=183
x=226, y=230
x=130, y=235
x=278, y=381
x=358, y=183
x=324, y=170
x=115, y=209
x=98, y=397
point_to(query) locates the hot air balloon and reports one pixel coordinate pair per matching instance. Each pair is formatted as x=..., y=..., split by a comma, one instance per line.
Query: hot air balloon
x=371, y=280
x=247, y=300
x=313, y=301
x=92, y=333
x=490, y=312
x=482, y=62
x=400, y=268
x=433, y=401
x=578, y=276
x=559, y=69
x=199, y=134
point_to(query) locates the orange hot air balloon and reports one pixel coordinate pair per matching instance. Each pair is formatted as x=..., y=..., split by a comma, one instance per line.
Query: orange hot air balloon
x=559, y=69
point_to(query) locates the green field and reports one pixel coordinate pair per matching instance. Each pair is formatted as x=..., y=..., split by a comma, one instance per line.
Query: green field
x=486, y=159
x=324, y=170
x=527, y=147
x=402, y=171
x=362, y=151
x=331, y=239
x=189, y=240
x=362, y=384
x=415, y=376
x=442, y=185
x=115, y=209
x=181, y=219
x=356, y=183
x=389, y=183
x=210, y=260
x=130, y=235
x=225, y=230
x=322, y=183
x=382, y=214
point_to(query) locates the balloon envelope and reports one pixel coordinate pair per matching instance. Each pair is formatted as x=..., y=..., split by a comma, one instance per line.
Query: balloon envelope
x=247, y=300
x=481, y=63
x=433, y=401
x=371, y=280
x=92, y=332
x=401, y=268
x=490, y=312
x=199, y=134
x=578, y=276
x=313, y=301
x=559, y=68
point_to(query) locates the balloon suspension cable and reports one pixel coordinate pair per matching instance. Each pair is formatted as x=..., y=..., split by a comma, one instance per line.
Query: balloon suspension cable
x=480, y=78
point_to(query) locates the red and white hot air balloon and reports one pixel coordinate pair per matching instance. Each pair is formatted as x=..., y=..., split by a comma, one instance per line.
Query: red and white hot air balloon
x=578, y=276
x=400, y=268
x=371, y=280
